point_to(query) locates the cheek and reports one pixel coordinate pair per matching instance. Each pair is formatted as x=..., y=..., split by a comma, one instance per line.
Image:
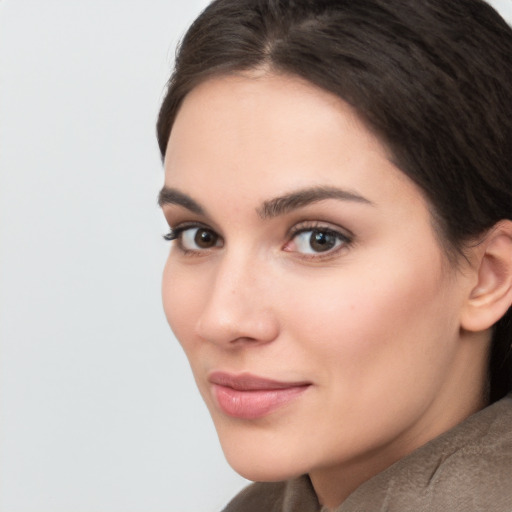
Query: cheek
x=371, y=322
x=181, y=301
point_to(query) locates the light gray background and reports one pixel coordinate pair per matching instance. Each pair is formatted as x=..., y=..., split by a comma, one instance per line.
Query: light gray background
x=98, y=409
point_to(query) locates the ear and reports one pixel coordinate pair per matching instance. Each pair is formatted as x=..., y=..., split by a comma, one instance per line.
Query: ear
x=491, y=297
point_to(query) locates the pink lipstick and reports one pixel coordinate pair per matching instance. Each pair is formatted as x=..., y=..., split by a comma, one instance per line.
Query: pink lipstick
x=247, y=396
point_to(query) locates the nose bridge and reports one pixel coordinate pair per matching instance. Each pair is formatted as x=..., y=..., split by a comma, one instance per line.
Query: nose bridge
x=238, y=307
x=236, y=273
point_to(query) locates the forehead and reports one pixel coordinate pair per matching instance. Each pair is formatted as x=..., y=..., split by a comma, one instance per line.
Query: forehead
x=260, y=136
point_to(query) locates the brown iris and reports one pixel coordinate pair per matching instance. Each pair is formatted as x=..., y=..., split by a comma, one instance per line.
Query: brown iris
x=204, y=238
x=322, y=241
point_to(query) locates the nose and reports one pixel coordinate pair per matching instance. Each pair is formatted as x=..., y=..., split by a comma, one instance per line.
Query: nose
x=239, y=308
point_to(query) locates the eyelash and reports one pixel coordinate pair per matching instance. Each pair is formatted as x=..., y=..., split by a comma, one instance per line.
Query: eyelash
x=173, y=234
x=346, y=239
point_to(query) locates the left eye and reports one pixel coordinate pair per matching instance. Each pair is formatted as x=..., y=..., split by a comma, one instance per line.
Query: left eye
x=314, y=241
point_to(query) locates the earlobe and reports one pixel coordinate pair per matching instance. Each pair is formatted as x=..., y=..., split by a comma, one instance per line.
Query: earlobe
x=491, y=297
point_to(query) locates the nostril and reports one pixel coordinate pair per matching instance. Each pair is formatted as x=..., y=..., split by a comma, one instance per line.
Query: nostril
x=236, y=328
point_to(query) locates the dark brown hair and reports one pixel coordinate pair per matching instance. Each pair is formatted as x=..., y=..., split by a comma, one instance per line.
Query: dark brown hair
x=432, y=78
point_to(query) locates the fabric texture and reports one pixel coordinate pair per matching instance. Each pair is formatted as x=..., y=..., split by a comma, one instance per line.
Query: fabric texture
x=467, y=469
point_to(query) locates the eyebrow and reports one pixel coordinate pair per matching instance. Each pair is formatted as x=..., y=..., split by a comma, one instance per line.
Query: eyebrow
x=173, y=196
x=273, y=207
x=304, y=197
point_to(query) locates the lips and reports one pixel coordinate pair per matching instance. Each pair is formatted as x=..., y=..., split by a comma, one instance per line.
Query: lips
x=247, y=396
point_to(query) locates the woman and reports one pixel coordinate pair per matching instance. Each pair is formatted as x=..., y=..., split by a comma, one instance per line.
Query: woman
x=339, y=191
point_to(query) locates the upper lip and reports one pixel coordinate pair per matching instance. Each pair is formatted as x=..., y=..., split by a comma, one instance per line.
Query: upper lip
x=248, y=382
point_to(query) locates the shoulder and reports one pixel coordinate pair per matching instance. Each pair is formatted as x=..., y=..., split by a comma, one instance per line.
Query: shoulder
x=467, y=469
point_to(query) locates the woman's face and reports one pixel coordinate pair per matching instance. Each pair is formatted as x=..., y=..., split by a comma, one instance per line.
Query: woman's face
x=306, y=283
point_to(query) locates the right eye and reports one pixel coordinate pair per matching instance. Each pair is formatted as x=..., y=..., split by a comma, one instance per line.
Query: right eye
x=194, y=238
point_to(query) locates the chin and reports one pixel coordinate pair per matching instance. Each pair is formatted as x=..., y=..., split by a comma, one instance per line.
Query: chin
x=262, y=460
x=261, y=471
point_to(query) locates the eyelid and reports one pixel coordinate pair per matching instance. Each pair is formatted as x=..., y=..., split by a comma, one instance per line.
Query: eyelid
x=308, y=225
x=177, y=217
x=175, y=231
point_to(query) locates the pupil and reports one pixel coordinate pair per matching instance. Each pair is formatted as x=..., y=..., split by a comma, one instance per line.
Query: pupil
x=204, y=238
x=321, y=241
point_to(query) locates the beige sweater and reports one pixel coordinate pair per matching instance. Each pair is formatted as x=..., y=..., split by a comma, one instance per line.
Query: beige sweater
x=467, y=469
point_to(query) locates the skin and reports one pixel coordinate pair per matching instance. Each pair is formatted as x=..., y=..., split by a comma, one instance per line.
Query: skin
x=373, y=324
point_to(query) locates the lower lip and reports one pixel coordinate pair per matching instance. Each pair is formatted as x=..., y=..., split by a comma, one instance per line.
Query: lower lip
x=253, y=404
